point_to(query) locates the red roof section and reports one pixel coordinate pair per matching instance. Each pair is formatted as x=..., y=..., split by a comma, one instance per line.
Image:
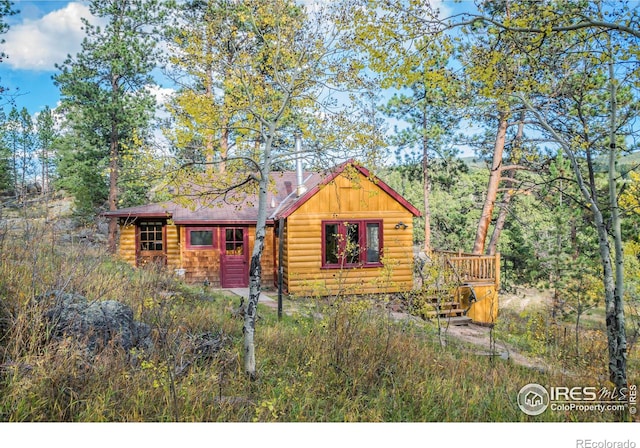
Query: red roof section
x=282, y=201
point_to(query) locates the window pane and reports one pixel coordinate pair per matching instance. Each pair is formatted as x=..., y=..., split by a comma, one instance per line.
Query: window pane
x=201, y=238
x=234, y=249
x=352, y=248
x=331, y=243
x=151, y=236
x=373, y=243
x=234, y=241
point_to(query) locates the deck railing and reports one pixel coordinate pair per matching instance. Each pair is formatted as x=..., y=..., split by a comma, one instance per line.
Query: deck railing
x=472, y=267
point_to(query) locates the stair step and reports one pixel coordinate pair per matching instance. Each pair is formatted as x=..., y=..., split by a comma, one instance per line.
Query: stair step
x=443, y=304
x=444, y=313
x=459, y=321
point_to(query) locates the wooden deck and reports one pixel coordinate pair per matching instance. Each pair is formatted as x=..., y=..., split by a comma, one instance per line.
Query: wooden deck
x=475, y=280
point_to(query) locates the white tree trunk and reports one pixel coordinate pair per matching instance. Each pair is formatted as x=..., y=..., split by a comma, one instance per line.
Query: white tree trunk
x=255, y=269
x=613, y=286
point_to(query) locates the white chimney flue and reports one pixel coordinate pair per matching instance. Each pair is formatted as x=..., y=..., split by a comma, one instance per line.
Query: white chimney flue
x=300, y=187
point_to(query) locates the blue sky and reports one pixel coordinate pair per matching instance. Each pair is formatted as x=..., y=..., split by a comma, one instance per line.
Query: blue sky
x=44, y=32
x=41, y=35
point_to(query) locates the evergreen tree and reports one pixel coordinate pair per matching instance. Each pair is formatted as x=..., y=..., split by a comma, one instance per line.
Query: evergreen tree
x=6, y=173
x=46, y=135
x=27, y=146
x=432, y=125
x=12, y=136
x=82, y=170
x=104, y=88
x=6, y=10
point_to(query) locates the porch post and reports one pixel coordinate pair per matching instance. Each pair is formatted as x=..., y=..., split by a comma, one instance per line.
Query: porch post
x=280, y=267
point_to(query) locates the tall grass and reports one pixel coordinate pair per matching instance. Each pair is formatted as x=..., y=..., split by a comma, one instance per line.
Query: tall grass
x=350, y=362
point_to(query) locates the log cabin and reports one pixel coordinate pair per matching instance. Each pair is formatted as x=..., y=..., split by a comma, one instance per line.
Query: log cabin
x=340, y=230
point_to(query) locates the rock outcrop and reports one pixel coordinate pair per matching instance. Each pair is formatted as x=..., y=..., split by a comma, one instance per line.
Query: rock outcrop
x=95, y=323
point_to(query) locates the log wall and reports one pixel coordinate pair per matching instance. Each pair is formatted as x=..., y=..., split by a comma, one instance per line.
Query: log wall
x=127, y=249
x=348, y=199
x=268, y=255
x=173, y=246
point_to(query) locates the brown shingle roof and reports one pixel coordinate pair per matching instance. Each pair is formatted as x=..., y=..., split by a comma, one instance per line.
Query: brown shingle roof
x=282, y=200
x=234, y=208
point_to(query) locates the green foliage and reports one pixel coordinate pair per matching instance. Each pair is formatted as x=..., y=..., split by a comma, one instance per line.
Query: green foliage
x=350, y=363
x=105, y=95
x=11, y=134
x=632, y=291
x=6, y=10
x=17, y=164
x=81, y=171
x=6, y=177
x=531, y=331
x=140, y=168
x=45, y=136
x=6, y=172
x=252, y=74
x=455, y=196
x=27, y=146
x=556, y=343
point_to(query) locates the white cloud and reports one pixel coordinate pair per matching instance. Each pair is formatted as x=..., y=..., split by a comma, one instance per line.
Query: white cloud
x=40, y=44
x=445, y=8
x=162, y=94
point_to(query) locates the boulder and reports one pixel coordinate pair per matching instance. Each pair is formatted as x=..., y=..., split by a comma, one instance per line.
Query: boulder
x=95, y=323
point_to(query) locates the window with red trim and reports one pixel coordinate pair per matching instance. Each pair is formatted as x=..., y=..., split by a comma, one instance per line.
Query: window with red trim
x=201, y=237
x=354, y=243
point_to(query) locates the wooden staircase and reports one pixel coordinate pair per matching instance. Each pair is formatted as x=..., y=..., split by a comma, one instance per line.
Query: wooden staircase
x=475, y=280
x=450, y=311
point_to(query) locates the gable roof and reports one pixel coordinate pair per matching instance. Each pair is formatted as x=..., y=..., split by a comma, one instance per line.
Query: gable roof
x=319, y=181
x=282, y=201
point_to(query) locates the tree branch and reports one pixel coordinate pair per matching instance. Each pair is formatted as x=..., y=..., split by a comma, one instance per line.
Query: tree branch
x=585, y=23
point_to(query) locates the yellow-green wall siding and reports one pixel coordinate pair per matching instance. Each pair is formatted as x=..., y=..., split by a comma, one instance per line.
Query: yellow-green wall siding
x=346, y=199
x=127, y=248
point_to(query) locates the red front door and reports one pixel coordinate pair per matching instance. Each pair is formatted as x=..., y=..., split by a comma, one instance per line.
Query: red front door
x=233, y=259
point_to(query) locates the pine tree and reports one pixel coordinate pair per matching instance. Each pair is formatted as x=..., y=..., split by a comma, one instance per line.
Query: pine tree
x=6, y=173
x=46, y=134
x=104, y=88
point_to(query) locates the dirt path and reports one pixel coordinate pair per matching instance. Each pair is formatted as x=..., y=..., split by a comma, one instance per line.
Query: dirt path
x=480, y=337
x=475, y=335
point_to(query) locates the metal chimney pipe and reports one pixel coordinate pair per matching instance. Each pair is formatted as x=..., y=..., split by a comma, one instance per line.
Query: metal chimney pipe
x=300, y=187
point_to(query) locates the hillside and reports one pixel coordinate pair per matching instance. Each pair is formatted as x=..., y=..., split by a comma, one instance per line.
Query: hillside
x=337, y=359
